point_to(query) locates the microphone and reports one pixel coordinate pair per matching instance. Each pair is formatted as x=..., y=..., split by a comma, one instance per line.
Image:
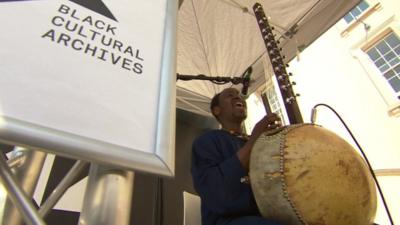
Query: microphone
x=246, y=81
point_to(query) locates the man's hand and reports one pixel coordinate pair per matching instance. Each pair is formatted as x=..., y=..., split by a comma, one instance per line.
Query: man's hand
x=269, y=122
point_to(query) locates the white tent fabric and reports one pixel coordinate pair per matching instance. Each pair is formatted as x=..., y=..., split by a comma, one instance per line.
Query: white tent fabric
x=222, y=38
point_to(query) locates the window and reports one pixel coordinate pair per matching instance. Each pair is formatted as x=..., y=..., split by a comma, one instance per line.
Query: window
x=386, y=56
x=354, y=13
x=273, y=101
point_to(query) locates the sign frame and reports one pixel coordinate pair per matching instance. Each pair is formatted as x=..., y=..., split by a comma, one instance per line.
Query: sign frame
x=161, y=161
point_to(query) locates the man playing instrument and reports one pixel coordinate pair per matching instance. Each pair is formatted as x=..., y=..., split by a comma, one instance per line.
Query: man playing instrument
x=220, y=164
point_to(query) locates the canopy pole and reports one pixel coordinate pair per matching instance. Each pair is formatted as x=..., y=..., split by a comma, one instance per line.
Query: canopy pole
x=108, y=196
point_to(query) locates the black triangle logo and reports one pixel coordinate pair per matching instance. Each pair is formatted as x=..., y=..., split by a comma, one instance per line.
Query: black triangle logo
x=94, y=5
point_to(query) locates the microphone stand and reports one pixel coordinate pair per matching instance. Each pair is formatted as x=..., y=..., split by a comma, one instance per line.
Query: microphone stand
x=215, y=80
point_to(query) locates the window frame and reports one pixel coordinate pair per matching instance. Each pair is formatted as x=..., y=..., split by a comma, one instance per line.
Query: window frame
x=382, y=57
x=382, y=86
x=277, y=106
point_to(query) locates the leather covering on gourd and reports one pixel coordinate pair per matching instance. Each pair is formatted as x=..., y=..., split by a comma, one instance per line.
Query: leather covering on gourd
x=305, y=174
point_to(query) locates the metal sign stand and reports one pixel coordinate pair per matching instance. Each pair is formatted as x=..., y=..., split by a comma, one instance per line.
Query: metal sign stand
x=20, y=187
x=62, y=187
x=107, y=199
x=108, y=196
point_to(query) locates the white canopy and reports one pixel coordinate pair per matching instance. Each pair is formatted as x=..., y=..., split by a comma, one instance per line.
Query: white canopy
x=222, y=38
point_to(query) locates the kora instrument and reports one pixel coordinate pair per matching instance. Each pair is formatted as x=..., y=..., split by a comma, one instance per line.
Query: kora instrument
x=307, y=175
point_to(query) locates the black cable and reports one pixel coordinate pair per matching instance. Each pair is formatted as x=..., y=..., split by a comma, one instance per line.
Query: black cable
x=363, y=154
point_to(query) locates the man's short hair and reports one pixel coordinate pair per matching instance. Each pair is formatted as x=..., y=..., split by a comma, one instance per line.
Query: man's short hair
x=214, y=102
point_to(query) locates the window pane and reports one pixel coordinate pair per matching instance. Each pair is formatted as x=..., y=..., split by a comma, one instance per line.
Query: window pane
x=397, y=69
x=355, y=12
x=394, y=61
x=389, y=56
x=389, y=74
x=384, y=68
x=395, y=82
x=373, y=54
x=348, y=18
x=397, y=50
x=382, y=47
x=380, y=62
x=392, y=40
x=363, y=5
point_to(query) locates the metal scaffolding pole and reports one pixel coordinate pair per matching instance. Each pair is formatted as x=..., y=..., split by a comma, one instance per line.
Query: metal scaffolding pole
x=20, y=187
x=62, y=187
x=16, y=161
x=108, y=197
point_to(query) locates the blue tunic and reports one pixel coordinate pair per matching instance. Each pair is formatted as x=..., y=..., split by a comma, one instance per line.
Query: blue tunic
x=216, y=172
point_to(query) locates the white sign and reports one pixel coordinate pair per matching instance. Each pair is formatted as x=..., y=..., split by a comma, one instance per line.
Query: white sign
x=94, y=81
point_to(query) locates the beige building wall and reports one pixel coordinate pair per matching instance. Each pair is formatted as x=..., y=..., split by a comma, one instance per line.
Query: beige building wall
x=335, y=70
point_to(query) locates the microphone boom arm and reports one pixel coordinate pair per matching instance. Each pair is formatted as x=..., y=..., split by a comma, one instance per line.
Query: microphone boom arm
x=215, y=80
x=244, y=79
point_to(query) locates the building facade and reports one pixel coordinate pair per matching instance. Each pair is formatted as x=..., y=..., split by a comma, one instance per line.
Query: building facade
x=355, y=68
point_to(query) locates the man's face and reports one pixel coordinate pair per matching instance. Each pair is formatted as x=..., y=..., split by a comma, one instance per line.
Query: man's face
x=231, y=106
